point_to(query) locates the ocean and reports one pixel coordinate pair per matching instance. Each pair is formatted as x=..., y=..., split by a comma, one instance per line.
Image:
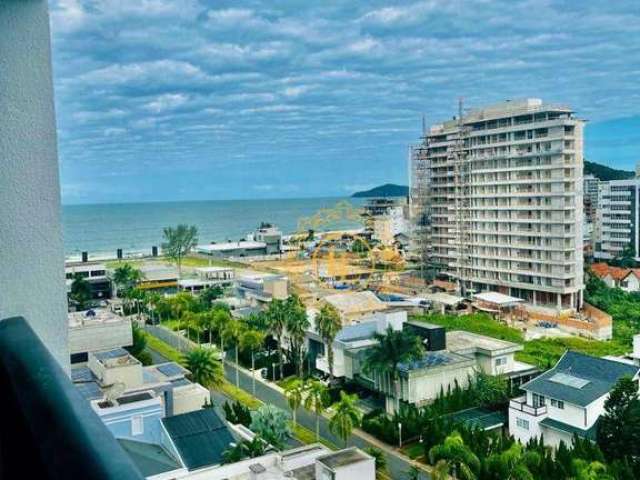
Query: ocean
x=136, y=227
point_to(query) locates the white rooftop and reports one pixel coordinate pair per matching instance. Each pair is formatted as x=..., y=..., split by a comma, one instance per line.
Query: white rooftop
x=221, y=247
x=355, y=302
x=443, y=298
x=497, y=298
x=97, y=316
x=213, y=269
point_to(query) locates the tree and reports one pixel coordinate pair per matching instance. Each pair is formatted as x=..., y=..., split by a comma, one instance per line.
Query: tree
x=590, y=470
x=205, y=368
x=513, y=464
x=626, y=258
x=393, y=348
x=220, y=319
x=276, y=321
x=346, y=417
x=139, y=345
x=294, y=393
x=125, y=277
x=328, y=324
x=80, y=291
x=244, y=449
x=316, y=400
x=296, y=324
x=462, y=462
x=380, y=459
x=252, y=340
x=178, y=242
x=232, y=333
x=619, y=427
x=272, y=424
x=414, y=473
x=210, y=294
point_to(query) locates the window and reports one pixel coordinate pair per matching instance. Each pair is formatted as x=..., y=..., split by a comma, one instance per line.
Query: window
x=137, y=425
x=557, y=403
x=538, y=400
x=501, y=361
x=522, y=423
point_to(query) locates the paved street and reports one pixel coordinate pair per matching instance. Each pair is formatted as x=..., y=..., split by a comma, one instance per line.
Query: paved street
x=397, y=465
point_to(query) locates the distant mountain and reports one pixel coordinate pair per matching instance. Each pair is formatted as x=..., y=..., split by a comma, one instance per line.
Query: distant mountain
x=605, y=173
x=386, y=190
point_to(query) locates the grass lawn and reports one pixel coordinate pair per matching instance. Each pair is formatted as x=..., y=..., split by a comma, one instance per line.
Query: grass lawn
x=284, y=383
x=413, y=450
x=163, y=349
x=543, y=352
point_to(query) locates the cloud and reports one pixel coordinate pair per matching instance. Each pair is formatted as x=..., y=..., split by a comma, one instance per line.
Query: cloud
x=320, y=95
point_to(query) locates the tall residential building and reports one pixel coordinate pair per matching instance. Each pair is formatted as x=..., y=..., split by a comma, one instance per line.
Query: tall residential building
x=590, y=199
x=617, y=218
x=502, y=190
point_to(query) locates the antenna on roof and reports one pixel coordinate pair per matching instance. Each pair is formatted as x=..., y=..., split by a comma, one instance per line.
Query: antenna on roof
x=424, y=126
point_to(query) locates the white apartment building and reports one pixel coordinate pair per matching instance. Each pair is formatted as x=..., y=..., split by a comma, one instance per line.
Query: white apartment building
x=566, y=400
x=504, y=201
x=617, y=217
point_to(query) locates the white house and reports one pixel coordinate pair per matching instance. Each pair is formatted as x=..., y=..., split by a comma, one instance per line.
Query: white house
x=567, y=399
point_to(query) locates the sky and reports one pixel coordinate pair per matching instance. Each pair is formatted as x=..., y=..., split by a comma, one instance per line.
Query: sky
x=212, y=99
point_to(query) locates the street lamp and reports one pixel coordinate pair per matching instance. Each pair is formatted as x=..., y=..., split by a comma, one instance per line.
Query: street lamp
x=399, y=435
x=273, y=372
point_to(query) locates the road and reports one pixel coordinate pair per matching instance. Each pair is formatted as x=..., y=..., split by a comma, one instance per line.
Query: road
x=397, y=465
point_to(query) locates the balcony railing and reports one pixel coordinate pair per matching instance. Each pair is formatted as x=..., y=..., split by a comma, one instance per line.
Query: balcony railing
x=44, y=415
x=521, y=404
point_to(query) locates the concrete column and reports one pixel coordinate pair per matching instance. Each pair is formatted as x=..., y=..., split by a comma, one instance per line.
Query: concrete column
x=32, y=281
x=559, y=297
x=534, y=298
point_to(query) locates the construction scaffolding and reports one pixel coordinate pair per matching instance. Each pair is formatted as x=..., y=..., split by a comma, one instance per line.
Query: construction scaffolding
x=459, y=156
x=419, y=206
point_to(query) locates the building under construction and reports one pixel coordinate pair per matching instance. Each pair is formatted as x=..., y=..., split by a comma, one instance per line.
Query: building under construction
x=496, y=202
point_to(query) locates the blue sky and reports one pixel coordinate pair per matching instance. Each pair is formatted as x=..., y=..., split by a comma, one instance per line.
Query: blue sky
x=193, y=100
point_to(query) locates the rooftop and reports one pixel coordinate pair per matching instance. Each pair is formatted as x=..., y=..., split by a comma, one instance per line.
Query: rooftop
x=97, y=316
x=343, y=457
x=466, y=342
x=580, y=379
x=221, y=247
x=497, y=298
x=355, y=302
x=117, y=357
x=433, y=360
x=151, y=459
x=443, y=298
x=200, y=437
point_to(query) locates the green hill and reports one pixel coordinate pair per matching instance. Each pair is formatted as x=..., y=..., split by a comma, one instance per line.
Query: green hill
x=605, y=173
x=386, y=190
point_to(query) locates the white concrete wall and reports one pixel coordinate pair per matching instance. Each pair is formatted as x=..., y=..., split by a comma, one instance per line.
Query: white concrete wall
x=421, y=390
x=189, y=398
x=31, y=254
x=520, y=433
x=92, y=338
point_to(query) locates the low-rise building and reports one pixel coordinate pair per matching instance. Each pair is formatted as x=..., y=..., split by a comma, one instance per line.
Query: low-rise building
x=567, y=400
x=95, y=330
x=628, y=279
x=262, y=288
x=355, y=306
x=94, y=273
x=158, y=277
x=207, y=277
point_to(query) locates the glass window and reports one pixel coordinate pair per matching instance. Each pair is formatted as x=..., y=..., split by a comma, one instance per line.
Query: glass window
x=137, y=425
x=522, y=423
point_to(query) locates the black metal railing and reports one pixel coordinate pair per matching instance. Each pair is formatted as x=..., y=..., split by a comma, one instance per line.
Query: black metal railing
x=47, y=429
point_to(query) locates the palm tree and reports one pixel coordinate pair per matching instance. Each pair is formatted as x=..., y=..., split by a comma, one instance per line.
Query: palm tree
x=380, y=458
x=294, y=393
x=347, y=416
x=590, y=471
x=252, y=340
x=233, y=332
x=328, y=324
x=204, y=367
x=462, y=462
x=393, y=348
x=80, y=291
x=178, y=242
x=154, y=301
x=440, y=470
x=126, y=276
x=316, y=399
x=220, y=320
x=190, y=321
x=276, y=321
x=296, y=325
x=414, y=474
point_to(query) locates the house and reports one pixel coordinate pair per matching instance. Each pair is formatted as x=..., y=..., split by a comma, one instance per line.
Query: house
x=259, y=289
x=351, y=337
x=566, y=400
x=158, y=277
x=271, y=236
x=354, y=306
x=612, y=276
x=111, y=375
x=95, y=330
x=207, y=277
x=309, y=462
x=95, y=273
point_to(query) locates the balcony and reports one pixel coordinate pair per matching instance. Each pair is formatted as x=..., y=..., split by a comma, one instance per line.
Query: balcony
x=45, y=415
x=521, y=405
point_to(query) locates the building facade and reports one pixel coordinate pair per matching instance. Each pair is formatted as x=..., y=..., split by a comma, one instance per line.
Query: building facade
x=503, y=196
x=617, y=218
